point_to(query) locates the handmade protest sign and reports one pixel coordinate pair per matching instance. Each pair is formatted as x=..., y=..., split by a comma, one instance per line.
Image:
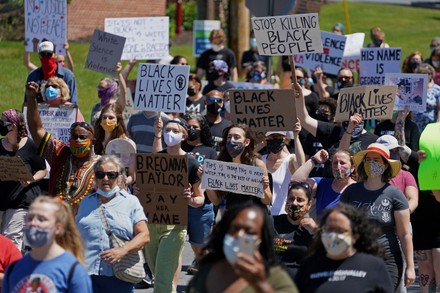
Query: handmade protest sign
x=147, y=37
x=233, y=177
x=161, y=179
x=45, y=20
x=372, y=102
x=105, y=51
x=429, y=169
x=352, y=51
x=56, y=120
x=263, y=110
x=412, y=90
x=331, y=58
x=287, y=34
x=375, y=62
x=201, y=31
x=161, y=88
x=14, y=169
x=251, y=85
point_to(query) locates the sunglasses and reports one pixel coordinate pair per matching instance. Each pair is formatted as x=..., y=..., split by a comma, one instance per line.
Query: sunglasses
x=110, y=175
x=303, y=185
x=215, y=100
x=345, y=77
x=45, y=54
x=81, y=137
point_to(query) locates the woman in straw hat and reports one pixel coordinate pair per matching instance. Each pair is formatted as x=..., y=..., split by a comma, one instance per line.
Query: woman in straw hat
x=386, y=205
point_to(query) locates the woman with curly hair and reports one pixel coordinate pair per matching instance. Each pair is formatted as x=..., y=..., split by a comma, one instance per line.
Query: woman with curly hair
x=411, y=62
x=344, y=256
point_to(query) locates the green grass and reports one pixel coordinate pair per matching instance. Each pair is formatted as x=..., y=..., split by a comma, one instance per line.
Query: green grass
x=406, y=27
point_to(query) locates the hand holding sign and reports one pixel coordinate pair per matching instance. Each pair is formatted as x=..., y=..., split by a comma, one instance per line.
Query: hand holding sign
x=158, y=126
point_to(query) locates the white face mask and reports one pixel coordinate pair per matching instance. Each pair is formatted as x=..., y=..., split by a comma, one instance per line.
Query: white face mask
x=436, y=63
x=335, y=244
x=216, y=48
x=230, y=248
x=171, y=138
x=108, y=194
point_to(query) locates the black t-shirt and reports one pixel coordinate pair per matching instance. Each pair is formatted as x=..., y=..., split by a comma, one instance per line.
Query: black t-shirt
x=425, y=222
x=250, y=56
x=217, y=131
x=196, y=106
x=14, y=195
x=224, y=54
x=193, y=167
x=211, y=86
x=412, y=133
x=311, y=102
x=359, y=273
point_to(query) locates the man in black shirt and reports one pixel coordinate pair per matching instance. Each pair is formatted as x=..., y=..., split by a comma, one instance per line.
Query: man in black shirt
x=214, y=105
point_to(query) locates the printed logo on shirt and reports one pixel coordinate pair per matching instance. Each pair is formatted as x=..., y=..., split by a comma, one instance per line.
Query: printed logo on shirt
x=382, y=209
x=198, y=156
x=193, y=108
x=338, y=275
x=35, y=283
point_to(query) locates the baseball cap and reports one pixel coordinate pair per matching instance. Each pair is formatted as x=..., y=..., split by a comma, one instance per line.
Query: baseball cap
x=220, y=65
x=276, y=132
x=389, y=141
x=46, y=47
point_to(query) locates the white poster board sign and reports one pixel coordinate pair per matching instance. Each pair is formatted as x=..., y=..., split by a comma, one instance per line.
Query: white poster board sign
x=105, y=52
x=352, y=52
x=56, y=120
x=45, y=20
x=375, y=62
x=232, y=177
x=412, y=90
x=251, y=85
x=287, y=34
x=201, y=31
x=330, y=59
x=148, y=38
x=161, y=88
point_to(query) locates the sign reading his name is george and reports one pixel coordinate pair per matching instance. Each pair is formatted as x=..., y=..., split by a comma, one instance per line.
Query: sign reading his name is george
x=161, y=88
x=233, y=177
x=412, y=90
x=45, y=20
x=287, y=34
x=161, y=179
x=105, y=52
x=372, y=102
x=14, y=169
x=263, y=110
x=375, y=62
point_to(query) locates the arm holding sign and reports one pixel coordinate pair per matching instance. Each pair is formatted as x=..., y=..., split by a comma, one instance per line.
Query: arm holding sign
x=355, y=119
x=37, y=177
x=194, y=195
x=122, y=99
x=321, y=86
x=310, y=124
x=157, y=141
x=128, y=68
x=27, y=61
x=33, y=117
x=300, y=157
x=68, y=56
x=267, y=192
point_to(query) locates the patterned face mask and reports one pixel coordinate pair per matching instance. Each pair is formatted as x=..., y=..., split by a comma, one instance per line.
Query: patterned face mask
x=341, y=172
x=374, y=169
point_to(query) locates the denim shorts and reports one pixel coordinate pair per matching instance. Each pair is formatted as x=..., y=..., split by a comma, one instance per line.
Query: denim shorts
x=200, y=221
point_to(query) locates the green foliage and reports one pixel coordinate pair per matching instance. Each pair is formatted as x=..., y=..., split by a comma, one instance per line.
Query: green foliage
x=189, y=15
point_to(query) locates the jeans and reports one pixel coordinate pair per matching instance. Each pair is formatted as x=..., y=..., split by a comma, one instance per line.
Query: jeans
x=110, y=284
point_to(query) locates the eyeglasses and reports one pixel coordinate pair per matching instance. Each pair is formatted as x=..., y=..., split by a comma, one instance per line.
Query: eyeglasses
x=110, y=175
x=345, y=77
x=46, y=54
x=304, y=185
x=215, y=100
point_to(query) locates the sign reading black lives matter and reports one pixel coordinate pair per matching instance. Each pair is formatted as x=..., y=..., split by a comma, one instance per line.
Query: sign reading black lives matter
x=105, y=52
x=161, y=179
x=372, y=102
x=233, y=177
x=263, y=110
x=287, y=34
x=161, y=88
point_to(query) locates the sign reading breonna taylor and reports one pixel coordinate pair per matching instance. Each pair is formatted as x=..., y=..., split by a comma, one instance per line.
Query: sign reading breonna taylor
x=287, y=34
x=161, y=88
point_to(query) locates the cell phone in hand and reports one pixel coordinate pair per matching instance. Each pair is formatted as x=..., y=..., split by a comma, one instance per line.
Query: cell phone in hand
x=247, y=244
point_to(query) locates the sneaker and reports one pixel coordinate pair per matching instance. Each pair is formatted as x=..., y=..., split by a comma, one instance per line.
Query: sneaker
x=146, y=282
x=193, y=268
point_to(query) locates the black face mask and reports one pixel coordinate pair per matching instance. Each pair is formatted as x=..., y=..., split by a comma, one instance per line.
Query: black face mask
x=377, y=43
x=275, y=146
x=193, y=134
x=212, y=75
x=191, y=92
x=4, y=127
x=213, y=108
x=322, y=117
x=345, y=83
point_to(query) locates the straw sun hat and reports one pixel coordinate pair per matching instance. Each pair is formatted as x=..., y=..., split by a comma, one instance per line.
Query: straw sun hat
x=382, y=150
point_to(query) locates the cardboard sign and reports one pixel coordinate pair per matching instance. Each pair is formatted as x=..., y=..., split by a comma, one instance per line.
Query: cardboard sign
x=105, y=51
x=45, y=20
x=251, y=85
x=375, y=62
x=201, y=31
x=287, y=34
x=233, y=177
x=263, y=110
x=161, y=179
x=161, y=88
x=56, y=120
x=372, y=102
x=352, y=52
x=14, y=169
x=429, y=170
x=412, y=90
x=122, y=148
x=331, y=58
x=147, y=37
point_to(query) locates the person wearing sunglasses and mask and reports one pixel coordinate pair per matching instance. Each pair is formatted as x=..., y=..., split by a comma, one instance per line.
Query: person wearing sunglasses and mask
x=71, y=175
x=295, y=229
x=258, y=75
x=126, y=219
x=310, y=97
x=228, y=266
x=344, y=256
x=217, y=77
x=195, y=102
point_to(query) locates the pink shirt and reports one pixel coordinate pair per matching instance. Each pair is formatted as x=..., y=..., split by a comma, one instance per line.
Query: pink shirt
x=402, y=180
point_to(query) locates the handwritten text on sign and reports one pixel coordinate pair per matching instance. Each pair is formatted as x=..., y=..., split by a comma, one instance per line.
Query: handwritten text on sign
x=370, y=101
x=429, y=170
x=263, y=110
x=147, y=37
x=375, y=62
x=45, y=20
x=237, y=178
x=288, y=34
x=161, y=88
x=14, y=169
x=161, y=179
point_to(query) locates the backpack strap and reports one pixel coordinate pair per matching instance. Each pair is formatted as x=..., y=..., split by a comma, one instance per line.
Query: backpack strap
x=71, y=271
x=10, y=268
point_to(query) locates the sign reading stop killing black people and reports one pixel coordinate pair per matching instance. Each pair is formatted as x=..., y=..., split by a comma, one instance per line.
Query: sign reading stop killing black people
x=263, y=110
x=287, y=34
x=161, y=179
x=161, y=88
x=372, y=102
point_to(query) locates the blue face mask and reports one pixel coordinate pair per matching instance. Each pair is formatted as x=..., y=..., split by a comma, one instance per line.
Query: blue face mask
x=51, y=93
x=253, y=42
x=36, y=237
x=301, y=81
x=108, y=194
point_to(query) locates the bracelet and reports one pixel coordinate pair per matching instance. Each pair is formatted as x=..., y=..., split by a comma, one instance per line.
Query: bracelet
x=348, y=132
x=314, y=160
x=158, y=137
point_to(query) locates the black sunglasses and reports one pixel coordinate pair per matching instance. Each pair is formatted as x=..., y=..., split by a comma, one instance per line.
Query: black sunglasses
x=110, y=175
x=304, y=185
x=45, y=54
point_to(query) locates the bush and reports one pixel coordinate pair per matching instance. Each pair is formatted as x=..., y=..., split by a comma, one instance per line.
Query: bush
x=189, y=15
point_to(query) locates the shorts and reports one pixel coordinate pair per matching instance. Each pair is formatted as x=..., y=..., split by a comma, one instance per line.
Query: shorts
x=200, y=221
